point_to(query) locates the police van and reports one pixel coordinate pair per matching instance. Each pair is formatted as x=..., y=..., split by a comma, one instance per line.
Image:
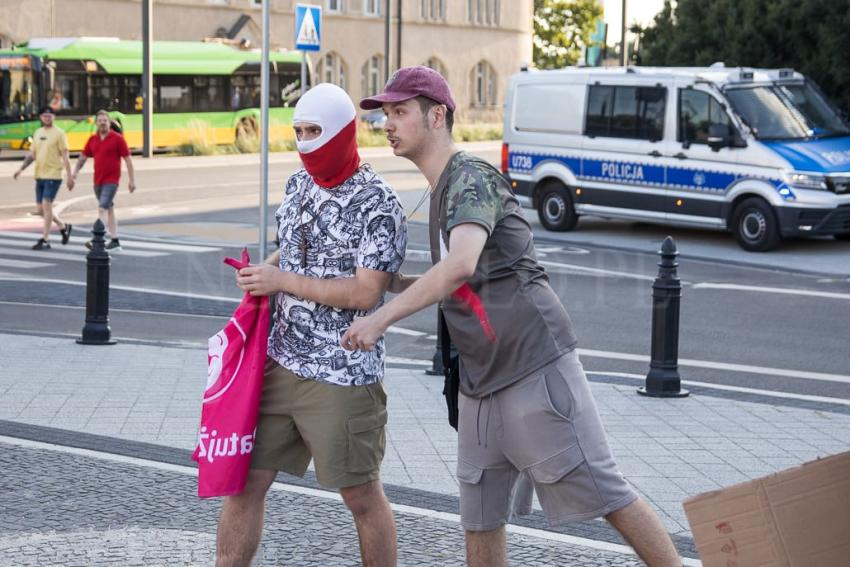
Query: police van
x=761, y=153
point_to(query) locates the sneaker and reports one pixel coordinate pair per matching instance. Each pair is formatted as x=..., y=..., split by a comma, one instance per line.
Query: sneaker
x=66, y=233
x=88, y=244
x=114, y=245
x=42, y=244
x=35, y=213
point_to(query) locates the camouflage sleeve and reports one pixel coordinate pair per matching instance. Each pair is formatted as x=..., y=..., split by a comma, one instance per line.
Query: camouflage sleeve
x=472, y=198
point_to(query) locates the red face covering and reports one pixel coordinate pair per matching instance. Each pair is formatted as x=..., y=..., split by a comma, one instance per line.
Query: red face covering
x=336, y=160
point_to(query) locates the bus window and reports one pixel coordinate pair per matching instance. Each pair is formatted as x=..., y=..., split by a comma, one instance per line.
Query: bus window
x=130, y=90
x=70, y=94
x=175, y=93
x=104, y=92
x=244, y=91
x=115, y=92
x=209, y=94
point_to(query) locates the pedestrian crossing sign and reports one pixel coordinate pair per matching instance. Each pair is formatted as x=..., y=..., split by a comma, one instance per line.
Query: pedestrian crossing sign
x=308, y=27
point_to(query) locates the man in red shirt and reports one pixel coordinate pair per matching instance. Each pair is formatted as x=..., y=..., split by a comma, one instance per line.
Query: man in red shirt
x=107, y=147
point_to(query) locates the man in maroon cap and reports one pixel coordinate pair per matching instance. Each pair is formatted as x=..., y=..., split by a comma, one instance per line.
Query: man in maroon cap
x=525, y=405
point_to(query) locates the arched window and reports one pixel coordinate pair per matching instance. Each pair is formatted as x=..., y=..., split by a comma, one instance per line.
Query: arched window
x=437, y=65
x=372, y=76
x=331, y=69
x=483, y=84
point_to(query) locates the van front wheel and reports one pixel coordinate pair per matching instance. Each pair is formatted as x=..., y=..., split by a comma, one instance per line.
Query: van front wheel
x=755, y=226
x=555, y=208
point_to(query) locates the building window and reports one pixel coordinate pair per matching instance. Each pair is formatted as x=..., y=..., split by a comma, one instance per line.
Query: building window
x=483, y=12
x=434, y=10
x=335, y=5
x=257, y=3
x=483, y=84
x=437, y=65
x=372, y=76
x=372, y=7
x=331, y=69
x=219, y=2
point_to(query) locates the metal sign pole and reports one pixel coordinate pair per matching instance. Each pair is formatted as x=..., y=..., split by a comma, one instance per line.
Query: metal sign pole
x=264, y=136
x=147, y=78
x=303, y=72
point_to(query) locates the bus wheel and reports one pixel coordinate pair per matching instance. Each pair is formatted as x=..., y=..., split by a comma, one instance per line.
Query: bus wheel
x=247, y=132
x=755, y=226
x=555, y=208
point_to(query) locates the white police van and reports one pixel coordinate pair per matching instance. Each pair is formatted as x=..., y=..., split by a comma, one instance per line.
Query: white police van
x=759, y=152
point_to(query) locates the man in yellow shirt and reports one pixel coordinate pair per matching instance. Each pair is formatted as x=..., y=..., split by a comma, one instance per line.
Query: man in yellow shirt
x=50, y=154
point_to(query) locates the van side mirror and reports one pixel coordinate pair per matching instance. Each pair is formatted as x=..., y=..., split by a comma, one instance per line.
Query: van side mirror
x=719, y=136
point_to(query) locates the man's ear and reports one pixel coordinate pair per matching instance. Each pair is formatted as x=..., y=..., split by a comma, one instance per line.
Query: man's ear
x=439, y=115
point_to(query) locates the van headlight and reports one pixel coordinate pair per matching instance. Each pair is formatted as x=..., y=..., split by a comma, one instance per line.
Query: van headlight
x=805, y=180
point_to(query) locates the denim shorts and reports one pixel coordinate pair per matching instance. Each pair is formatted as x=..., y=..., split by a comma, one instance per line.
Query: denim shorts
x=105, y=194
x=46, y=189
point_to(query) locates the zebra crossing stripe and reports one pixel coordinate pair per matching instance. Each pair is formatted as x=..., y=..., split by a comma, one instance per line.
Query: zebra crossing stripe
x=133, y=245
x=70, y=252
x=9, y=263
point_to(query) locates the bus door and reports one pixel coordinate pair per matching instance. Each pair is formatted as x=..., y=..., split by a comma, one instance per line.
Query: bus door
x=20, y=87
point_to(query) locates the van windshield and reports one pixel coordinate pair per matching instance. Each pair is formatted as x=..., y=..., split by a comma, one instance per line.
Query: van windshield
x=787, y=112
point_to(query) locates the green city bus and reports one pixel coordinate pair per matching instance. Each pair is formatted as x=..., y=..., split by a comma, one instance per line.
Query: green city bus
x=198, y=86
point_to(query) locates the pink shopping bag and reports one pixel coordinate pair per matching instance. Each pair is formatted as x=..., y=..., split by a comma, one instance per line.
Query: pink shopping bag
x=236, y=362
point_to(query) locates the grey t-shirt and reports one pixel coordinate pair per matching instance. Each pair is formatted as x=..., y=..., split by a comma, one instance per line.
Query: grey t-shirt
x=506, y=321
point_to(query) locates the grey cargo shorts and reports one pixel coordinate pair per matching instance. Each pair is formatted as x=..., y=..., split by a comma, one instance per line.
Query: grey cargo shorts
x=547, y=427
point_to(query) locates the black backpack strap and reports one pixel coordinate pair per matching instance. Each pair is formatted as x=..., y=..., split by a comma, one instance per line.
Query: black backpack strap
x=451, y=369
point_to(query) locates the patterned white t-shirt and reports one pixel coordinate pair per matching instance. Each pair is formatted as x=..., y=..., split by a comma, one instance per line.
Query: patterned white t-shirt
x=329, y=233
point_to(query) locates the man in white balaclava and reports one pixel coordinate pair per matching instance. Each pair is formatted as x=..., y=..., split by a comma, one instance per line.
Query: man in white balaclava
x=320, y=401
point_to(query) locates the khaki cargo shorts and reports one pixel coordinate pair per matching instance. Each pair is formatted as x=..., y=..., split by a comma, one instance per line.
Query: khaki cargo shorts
x=340, y=427
x=546, y=427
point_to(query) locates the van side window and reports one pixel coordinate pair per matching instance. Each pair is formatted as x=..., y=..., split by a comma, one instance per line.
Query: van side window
x=698, y=110
x=625, y=112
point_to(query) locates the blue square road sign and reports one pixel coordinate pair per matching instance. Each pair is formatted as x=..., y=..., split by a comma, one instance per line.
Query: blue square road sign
x=308, y=27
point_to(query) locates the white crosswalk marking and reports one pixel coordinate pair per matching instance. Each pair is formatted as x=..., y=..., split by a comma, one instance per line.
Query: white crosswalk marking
x=14, y=245
x=70, y=251
x=128, y=245
x=9, y=263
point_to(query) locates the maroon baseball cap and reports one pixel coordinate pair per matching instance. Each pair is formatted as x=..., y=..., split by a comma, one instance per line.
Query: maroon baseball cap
x=410, y=82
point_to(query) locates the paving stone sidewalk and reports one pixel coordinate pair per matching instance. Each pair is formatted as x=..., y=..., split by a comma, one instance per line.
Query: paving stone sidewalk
x=120, y=514
x=668, y=449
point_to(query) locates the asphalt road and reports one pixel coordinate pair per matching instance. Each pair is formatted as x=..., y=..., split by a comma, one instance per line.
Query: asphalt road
x=774, y=321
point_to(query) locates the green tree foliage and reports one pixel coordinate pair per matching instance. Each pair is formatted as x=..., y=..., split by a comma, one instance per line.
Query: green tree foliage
x=810, y=36
x=561, y=27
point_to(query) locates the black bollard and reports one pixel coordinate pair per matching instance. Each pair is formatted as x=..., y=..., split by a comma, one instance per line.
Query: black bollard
x=96, y=330
x=663, y=380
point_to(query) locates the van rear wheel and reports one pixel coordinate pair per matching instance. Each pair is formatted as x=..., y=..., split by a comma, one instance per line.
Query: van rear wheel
x=755, y=226
x=555, y=208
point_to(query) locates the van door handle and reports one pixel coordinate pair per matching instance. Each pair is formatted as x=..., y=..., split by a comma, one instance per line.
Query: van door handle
x=654, y=153
x=680, y=155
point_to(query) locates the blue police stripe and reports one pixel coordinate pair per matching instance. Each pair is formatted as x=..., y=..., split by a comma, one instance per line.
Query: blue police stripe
x=642, y=174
